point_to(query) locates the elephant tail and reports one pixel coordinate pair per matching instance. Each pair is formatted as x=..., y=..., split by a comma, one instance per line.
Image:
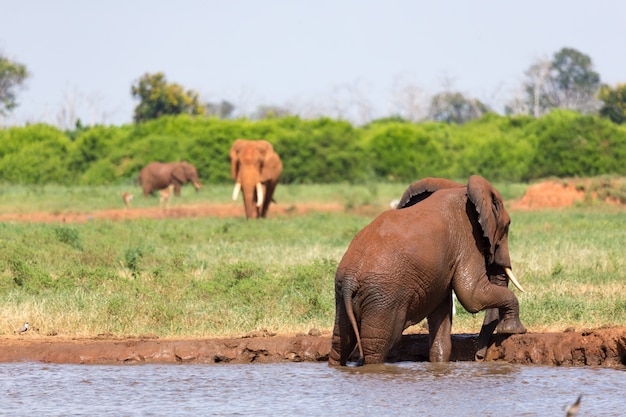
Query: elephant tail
x=347, y=300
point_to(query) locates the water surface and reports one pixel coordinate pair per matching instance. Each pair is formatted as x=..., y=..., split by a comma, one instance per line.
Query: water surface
x=308, y=389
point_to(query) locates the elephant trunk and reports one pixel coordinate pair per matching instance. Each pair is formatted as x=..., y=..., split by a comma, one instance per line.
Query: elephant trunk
x=196, y=185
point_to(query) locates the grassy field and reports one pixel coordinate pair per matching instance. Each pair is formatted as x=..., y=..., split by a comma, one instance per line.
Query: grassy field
x=216, y=277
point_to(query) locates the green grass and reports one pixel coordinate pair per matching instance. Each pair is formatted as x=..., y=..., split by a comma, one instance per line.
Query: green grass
x=217, y=277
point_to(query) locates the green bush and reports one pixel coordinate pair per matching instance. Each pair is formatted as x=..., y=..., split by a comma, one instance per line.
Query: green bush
x=501, y=148
x=570, y=144
x=36, y=154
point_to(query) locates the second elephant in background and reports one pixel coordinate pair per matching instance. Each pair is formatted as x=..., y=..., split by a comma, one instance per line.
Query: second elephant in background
x=160, y=175
x=256, y=169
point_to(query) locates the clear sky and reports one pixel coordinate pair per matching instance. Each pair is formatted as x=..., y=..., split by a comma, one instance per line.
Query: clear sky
x=85, y=55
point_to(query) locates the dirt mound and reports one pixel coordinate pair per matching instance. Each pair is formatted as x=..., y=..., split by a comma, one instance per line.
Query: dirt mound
x=600, y=347
x=568, y=192
x=549, y=194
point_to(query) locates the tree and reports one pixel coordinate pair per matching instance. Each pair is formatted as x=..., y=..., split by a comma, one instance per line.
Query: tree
x=270, y=112
x=158, y=98
x=12, y=75
x=454, y=107
x=407, y=100
x=614, y=106
x=222, y=110
x=566, y=82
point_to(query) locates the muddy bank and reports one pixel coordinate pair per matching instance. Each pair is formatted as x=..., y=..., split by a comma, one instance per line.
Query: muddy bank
x=599, y=347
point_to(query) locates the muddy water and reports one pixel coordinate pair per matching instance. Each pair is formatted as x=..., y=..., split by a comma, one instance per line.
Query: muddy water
x=309, y=389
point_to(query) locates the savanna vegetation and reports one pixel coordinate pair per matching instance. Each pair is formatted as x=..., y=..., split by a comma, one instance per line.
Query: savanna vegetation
x=212, y=276
x=215, y=277
x=322, y=151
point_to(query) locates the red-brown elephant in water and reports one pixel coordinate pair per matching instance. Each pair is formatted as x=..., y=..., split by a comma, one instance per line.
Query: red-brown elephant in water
x=256, y=169
x=403, y=267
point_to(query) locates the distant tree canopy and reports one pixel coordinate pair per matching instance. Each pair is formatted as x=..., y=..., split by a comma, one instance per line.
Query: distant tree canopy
x=454, y=107
x=567, y=82
x=159, y=98
x=221, y=110
x=12, y=75
x=614, y=100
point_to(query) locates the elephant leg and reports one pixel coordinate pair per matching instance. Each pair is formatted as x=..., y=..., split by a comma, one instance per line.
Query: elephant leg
x=380, y=331
x=492, y=317
x=269, y=194
x=439, y=329
x=483, y=294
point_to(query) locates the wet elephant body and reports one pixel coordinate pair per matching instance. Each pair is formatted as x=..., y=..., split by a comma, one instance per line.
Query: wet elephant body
x=403, y=267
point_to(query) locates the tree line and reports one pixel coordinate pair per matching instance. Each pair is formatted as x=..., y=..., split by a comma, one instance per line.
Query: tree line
x=565, y=81
x=562, y=143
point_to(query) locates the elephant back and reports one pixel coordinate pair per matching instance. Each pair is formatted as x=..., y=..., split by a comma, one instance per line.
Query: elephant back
x=422, y=189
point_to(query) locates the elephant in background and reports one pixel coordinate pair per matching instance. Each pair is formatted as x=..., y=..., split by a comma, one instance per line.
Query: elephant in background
x=160, y=175
x=404, y=265
x=256, y=169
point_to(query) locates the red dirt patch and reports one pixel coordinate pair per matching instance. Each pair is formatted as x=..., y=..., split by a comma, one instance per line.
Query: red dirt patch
x=600, y=347
x=566, y=193
x=550, y=194
x=185, y=211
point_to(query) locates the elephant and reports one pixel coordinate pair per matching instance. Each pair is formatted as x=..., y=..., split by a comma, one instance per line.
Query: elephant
x=403, y=266
x=417, y=192
x=256, y=169
x=160, y=175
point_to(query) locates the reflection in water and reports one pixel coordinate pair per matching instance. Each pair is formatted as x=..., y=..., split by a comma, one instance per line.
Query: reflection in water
x=309, y=389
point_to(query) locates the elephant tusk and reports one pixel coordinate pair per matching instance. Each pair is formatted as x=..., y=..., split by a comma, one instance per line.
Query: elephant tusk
x=259, y=194
x=236, y=190
x=513, y=279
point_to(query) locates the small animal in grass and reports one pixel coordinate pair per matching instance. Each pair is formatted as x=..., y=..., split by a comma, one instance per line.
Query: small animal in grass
x=166, y=196
x=127, y=198
x=23, y=329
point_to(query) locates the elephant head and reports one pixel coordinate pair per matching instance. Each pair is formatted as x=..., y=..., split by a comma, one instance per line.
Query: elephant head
x=182, y=173
x=256, y=169
x=404, y=265
x=494, y=222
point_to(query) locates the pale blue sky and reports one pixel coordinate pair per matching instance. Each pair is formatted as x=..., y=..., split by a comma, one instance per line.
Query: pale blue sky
x=298, y=52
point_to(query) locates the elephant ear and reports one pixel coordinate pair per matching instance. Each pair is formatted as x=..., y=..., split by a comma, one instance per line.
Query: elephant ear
x=423, y=188
x=269, y=160
x=178, y=173
x=489, y=206
x=234, y=157
x=272, y=167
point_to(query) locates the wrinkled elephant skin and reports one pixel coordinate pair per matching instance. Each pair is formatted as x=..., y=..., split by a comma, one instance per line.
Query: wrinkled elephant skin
x=403, y=267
